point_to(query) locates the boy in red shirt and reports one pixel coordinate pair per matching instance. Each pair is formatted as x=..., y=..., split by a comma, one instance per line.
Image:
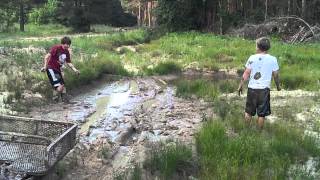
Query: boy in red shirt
x=53, y=62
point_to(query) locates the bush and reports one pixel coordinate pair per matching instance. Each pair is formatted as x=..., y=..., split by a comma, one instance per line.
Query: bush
x=164, y=68
x=45, y=14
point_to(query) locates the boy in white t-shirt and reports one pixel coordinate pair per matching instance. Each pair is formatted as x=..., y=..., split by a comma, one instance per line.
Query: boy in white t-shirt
x=259, y=70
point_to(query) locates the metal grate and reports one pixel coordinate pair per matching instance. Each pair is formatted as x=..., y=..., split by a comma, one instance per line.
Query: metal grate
x=33, y=146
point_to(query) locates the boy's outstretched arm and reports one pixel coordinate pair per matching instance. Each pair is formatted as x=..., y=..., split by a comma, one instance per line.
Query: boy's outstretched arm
x=245, y=77
x=45, y=62
x=275, y=75
x=73, y=68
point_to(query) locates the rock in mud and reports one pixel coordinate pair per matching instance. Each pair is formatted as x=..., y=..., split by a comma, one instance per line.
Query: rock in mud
x=124, y=135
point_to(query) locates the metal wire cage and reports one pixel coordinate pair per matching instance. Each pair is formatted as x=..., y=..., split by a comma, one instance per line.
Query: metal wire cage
x=33, y=146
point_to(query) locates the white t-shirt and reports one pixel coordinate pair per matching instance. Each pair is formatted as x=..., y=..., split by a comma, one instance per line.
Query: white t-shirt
x=262, y=66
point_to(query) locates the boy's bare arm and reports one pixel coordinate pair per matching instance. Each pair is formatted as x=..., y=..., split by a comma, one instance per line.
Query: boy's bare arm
x=45, y=62
x=245, y=77
x=73, y=68
x=276, y=78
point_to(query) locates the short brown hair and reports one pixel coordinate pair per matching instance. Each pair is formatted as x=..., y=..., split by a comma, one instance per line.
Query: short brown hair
x=66, y=40
x=263, y=43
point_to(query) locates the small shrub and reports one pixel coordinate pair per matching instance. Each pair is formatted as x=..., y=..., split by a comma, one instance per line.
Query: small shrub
x=104, y=152
x=211, y=65
x=222, y=107
x=227, y=86
x=165, y=68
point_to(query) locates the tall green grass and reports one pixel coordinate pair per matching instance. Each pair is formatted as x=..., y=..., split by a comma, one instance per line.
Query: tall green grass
x=252, y=155
x=166, y=160
x=249, y=153
x=299, y=67
x=93, y=56
x=299, y=64
x=35, y=31
x=207, y=89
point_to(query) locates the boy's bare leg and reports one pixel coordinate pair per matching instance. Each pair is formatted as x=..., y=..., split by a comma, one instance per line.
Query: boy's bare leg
x=57, y=93
x=247, y=118
x=260, y=122
x=64, y=96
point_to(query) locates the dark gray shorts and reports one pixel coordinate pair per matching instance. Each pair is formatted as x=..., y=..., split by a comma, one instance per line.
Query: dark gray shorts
x=55, y=78
x=258, y=102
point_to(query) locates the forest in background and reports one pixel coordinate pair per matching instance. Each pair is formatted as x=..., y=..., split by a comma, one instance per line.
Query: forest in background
x=173, y=15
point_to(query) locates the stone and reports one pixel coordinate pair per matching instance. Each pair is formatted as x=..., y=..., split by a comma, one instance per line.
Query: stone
x=181, y=132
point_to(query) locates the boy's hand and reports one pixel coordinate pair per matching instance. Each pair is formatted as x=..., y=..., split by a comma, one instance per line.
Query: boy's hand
x=77, y=72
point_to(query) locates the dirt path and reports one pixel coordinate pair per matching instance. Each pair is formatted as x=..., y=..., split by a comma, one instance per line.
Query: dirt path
x=46, y=38
x=118, y=121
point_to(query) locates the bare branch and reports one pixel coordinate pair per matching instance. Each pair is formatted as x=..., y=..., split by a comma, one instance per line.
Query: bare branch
x=297, y=18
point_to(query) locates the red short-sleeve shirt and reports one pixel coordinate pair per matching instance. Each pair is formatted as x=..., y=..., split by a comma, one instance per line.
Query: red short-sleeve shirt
x=58, y=56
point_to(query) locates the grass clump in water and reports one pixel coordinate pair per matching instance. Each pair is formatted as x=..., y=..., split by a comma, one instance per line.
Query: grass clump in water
x=164, y=68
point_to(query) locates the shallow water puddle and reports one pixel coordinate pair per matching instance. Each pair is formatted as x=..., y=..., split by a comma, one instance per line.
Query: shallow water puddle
x=107, y=102
x=110, y=103
x=100, y=112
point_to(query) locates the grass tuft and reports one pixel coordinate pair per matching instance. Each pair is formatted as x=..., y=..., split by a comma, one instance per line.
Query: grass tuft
x=169, y=159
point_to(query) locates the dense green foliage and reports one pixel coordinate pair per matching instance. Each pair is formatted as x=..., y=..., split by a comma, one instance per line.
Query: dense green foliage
x=178, y=15
x=220, y=15
x=80, y=15
x=45, y=14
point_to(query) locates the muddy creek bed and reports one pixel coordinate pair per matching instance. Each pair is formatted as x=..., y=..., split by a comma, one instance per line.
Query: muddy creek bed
x=32, y=146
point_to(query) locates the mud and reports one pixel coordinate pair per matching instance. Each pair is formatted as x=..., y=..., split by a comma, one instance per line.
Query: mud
x=119, y=119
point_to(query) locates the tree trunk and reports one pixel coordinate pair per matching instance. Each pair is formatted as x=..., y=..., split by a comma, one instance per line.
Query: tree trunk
x=149, y=13
x=289, y=7
x=220, y=19
x=139, y=14
x=21, y=17
x=303, y=9
x=251, y=4
x=266, y=10
x=145, y=15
